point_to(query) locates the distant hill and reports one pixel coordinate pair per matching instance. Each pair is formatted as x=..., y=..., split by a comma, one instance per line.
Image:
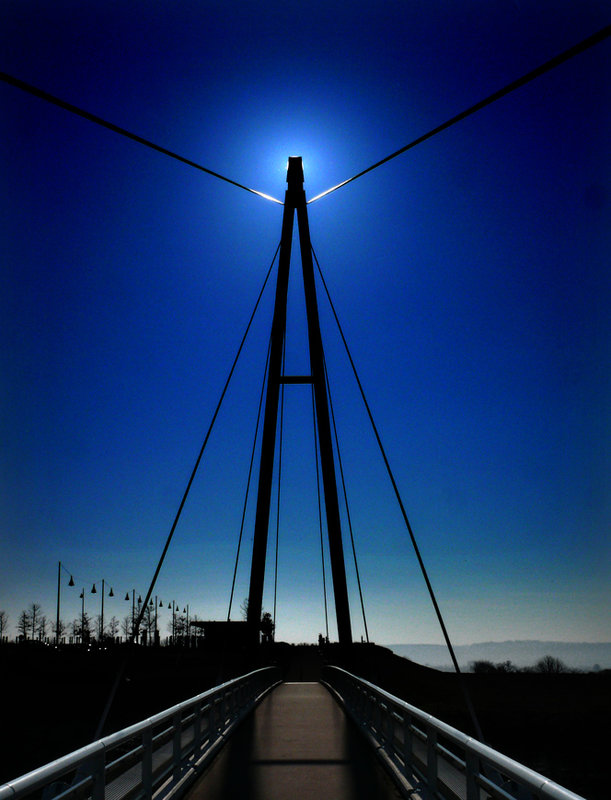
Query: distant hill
x=526, y=653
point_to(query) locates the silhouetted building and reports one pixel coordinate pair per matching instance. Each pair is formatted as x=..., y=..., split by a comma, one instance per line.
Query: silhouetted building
x=221, y=632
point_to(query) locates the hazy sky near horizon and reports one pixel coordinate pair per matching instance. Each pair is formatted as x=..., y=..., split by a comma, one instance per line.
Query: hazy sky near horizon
x=471, y=276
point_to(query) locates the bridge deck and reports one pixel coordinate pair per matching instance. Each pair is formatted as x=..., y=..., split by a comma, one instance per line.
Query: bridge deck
x=297, y=744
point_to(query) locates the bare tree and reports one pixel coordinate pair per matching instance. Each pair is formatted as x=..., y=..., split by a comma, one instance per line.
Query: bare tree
x=23, y=624
x=482, y=666
x=126, y=626
x=41, y=628
x=550, y=665
x=113, y=627
x=58, y=631
x=35, y=613
x=81, y=627
x=3, y=624
x=98, y=628
x=147, y=623
x=487, y=666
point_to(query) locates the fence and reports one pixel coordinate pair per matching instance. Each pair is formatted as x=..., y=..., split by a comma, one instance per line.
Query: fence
x=432, y=758
x=158, y=757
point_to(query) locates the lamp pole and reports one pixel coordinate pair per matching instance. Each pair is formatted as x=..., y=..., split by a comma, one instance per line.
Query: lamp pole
x=102, y=616
x=83, y=616
x=156, y=635
x=110, y=594
x=59, y=583
x=137, y=631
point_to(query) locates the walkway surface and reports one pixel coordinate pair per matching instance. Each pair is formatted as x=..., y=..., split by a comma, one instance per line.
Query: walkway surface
x=297, y=745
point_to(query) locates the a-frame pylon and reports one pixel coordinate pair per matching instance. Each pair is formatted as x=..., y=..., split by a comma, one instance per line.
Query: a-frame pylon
x=295, y=201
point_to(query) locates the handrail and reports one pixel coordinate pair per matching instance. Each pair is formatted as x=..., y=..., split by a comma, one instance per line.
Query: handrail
x=425, y=753
x=173, y=746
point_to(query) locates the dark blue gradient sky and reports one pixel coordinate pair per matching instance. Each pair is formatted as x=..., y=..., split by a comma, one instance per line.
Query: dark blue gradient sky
x=471, y=275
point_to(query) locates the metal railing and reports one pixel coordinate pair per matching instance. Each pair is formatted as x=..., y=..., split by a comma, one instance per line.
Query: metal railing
x=158, y=757
x=433, y=759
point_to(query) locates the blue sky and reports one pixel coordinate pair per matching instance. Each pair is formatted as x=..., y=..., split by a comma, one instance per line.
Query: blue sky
x=470, y=274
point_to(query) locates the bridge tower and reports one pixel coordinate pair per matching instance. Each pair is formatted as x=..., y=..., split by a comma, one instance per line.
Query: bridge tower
x=295, y=202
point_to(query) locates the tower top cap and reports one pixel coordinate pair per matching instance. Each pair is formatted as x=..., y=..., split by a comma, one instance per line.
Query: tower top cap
x=294, y=173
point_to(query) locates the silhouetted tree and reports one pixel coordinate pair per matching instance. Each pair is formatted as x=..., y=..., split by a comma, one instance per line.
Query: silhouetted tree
x=147, y=625
x=113, y=627
x=41, y=628
x=23, y=624
x=267, y=627
x=35, y=613
x=58, y=631
x=3, y=624
x=126, y=626
x=550, y=665
x=81, y=627
x=244, y=608
x=482, y=667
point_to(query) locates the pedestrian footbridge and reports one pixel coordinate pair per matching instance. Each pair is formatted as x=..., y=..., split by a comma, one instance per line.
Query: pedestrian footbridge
x=260, y=738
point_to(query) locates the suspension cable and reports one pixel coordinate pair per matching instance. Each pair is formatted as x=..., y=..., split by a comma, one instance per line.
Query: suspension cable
x=322, y=549
x=203, y=447
x=341, y=472
x=252, y=459
x=596, y=38
x=423, y=570
x=34, y=90
x=279, y=479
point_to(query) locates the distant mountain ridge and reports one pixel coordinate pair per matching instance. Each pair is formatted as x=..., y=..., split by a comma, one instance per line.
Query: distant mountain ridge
x=522, y=653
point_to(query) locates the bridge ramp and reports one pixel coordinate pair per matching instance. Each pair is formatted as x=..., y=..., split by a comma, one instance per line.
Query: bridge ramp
x=297, y=745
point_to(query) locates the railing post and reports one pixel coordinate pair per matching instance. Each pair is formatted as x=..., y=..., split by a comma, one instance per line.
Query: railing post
x=431, y=759
x=472, y=769
x=97, y=765
x=197, y=728
x=177, y=745
x=407, y=743
x=222, y=711
x=231, y=705
x=216, y=716
x=379, y=721
x=147, y=762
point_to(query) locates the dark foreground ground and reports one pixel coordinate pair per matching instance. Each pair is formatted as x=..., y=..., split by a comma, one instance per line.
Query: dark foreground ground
x=53, y=701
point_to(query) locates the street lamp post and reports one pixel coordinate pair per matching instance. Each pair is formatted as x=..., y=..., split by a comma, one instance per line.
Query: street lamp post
x=83, y=616
x=156, y=634
x=133, y=611
x=156, y=627
x=59, y=585
x=137, y=631
x=101, y=637
x=110, y=594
